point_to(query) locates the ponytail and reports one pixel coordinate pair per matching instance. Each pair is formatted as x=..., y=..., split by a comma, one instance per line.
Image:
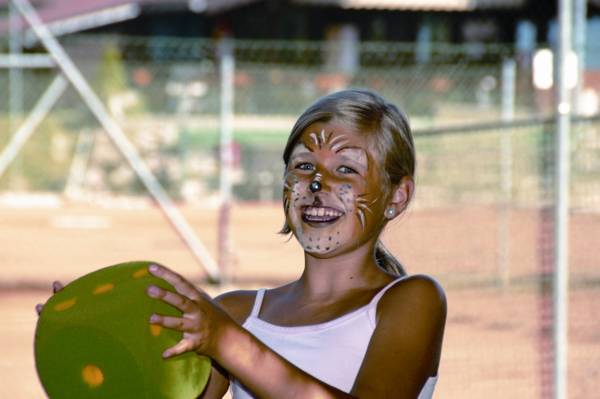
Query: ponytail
x=387, y=261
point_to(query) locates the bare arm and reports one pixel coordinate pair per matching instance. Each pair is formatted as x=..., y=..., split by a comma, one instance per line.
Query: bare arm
x=237, y=305
x=209, y=330
x=266, y=374
x=218, y=383
x=405, y=348
x=403, y=352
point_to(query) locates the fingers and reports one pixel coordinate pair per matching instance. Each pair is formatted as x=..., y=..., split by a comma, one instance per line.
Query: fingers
x=57, y=286
x=175, y=323
x=185, y=345
x=179, y=301
x=180, y=284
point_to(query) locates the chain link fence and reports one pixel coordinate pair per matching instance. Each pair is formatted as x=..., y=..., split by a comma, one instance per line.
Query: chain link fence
x=166, y=94
x=490, y=182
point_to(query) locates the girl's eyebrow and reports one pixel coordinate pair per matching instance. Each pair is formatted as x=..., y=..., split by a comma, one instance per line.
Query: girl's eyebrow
x=300, y=149
x=356, y=154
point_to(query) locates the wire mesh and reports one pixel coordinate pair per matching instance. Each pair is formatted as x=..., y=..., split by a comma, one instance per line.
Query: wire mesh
x=487, y=243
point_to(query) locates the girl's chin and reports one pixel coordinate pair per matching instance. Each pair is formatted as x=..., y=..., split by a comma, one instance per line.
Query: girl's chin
x=321, y=252
x=319, y=255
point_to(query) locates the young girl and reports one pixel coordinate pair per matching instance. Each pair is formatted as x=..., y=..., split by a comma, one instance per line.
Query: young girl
x=353, y=324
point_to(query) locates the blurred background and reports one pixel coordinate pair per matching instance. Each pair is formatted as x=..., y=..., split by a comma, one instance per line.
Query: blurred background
x=180, y=159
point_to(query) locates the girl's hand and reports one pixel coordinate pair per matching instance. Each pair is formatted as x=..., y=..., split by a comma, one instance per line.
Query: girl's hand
x=202, y=320
x=56, y=286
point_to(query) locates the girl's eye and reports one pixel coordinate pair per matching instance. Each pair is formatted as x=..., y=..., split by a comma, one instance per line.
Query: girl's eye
x=305, y=166
x=346, y=170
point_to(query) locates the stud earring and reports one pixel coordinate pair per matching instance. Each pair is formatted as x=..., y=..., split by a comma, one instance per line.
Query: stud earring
x=390, y=212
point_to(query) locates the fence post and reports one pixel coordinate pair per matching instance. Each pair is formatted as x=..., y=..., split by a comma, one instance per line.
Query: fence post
x=507, y=115
x=561, y=204
x=580, y=26
x=226, y=67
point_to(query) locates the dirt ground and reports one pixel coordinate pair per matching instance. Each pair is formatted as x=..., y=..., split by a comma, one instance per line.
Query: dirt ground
x=494, y=335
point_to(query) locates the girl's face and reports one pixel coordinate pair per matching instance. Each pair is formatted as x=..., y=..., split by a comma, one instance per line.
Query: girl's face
x=333, y=195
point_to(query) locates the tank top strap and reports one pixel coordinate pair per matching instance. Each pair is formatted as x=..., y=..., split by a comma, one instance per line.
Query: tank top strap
x=257, y=302
x=372, y=307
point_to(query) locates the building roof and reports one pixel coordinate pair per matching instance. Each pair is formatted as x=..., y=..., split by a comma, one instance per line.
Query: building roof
x=67, y=16
x=216, y=6
x=434, y=5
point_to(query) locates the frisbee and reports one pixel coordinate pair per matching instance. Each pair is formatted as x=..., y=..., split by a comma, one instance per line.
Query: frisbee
x=93, y=339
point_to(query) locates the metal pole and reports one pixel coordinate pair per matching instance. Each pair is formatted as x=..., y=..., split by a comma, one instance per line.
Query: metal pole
x=509, y=71
x=227, y=65
x=580, y=37
x=35, y=117
x=79, y=164
x=561, y=209
x=119, y=138
x=15, y=74
x=26, y=61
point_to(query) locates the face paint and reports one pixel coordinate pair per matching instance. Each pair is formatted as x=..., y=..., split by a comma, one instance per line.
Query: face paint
x=287, y=190
x=337, y=143
x=362, y=205
x=344, y=210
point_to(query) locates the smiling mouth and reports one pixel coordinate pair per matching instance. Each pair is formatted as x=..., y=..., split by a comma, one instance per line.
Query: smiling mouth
x=320, y=216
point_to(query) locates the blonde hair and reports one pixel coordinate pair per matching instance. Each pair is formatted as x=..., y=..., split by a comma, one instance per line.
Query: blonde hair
x=368, y=113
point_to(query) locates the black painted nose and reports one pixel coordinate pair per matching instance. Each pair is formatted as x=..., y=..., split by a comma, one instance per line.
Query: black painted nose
x=315, y=186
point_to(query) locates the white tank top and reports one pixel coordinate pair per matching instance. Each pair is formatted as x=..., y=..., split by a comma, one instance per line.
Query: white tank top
x=332, y=351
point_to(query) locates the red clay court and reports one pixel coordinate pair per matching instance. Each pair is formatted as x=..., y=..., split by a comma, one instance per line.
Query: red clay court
x=493, y=343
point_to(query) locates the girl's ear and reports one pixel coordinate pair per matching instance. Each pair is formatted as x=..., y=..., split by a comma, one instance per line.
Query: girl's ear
x=400, y=197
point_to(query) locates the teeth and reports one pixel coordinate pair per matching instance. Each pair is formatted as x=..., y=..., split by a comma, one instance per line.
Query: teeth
x=320, y=211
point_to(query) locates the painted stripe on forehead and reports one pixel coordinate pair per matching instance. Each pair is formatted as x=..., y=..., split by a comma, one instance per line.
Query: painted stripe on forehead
x=315, y=139
x=338, y=142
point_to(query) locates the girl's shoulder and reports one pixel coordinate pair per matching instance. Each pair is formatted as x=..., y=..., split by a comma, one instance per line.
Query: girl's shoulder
x=414, y=292
x=238, y=304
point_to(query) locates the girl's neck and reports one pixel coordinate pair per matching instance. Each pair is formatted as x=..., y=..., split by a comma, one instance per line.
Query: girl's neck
x=329, y=278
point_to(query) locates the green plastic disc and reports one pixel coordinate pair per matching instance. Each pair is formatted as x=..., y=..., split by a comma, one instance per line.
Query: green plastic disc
x=94, y=340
